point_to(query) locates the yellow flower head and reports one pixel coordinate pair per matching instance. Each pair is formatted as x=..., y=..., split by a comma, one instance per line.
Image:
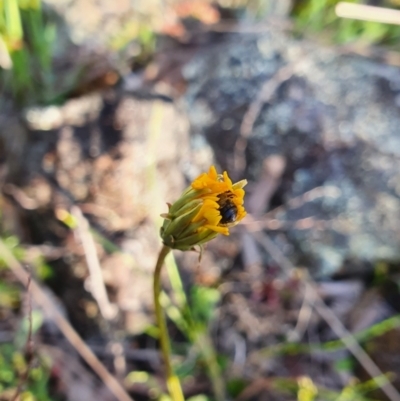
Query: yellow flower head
x=208, y=207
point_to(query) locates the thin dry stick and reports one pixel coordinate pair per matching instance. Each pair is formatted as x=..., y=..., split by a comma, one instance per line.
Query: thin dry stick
x=250, y=117
x=304, y=315
x=333, y=321
x=368, y=13
x=97, y=287
x=265, y=26
x=72, y=336
x=269, y=222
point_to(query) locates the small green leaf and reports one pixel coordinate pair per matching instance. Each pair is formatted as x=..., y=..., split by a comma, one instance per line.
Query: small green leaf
x=344, y=365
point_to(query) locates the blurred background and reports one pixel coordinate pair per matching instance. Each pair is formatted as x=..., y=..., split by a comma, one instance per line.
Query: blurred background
x=109, y=109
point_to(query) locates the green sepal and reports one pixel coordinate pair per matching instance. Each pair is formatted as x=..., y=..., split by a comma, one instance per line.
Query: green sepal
x=177, y=225
x=185, y=208
x=211, y=236
x=239, y=185
x=189, y=195
x=164, y=226
x=194, y=239
x=192, y=228
x=169, y=241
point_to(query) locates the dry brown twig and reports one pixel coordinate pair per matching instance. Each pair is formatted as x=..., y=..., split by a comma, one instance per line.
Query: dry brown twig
x=368, y=13
x=365, y=12
x=97, y=286
x=269, y=222
x=265, y=95
x=256, y=203
x=330, y=317
x=43, y=300
x=304, y=316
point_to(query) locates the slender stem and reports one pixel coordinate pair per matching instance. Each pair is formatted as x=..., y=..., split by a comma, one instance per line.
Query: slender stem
x=196, y=333
x=203, y=340
x=174, y=386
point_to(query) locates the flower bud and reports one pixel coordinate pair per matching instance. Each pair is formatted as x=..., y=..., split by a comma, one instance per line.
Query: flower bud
x=208, y=207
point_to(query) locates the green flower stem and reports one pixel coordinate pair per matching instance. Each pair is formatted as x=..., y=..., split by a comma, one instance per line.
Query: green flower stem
x=203, y=340
x=173, y=384
x=196, y=333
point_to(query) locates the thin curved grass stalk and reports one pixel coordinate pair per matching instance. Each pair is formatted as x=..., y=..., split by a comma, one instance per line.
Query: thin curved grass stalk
x=196, y=335
x=173, y=383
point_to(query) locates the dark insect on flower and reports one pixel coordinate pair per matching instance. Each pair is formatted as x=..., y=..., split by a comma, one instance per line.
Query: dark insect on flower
x=227, y=208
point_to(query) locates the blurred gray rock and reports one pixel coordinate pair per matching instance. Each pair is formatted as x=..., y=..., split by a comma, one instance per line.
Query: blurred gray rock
x=337, y=122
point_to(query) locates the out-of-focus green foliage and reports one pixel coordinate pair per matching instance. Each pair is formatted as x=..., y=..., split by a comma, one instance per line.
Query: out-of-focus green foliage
x=203, y=300
x=13, y=377
x=235, y=386
x=318, y=16
x=353, y=391
x=365, y=335
x=30, y=379
x=40, y=268
x=9, y=295
x=27, y=44
x=136, y=41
